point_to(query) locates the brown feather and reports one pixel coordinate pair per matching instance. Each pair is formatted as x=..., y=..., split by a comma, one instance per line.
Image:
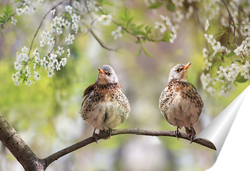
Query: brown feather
x=88, y=89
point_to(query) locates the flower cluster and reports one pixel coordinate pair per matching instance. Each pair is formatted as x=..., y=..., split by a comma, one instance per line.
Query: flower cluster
x=105, y=19
x=28, y=7
x=54, y=59
x=117, y=33
x=167, y=24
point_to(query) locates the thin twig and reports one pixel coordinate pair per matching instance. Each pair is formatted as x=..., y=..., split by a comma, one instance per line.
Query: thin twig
x=135, y=131
x=231, y=19
x=198, y=19
x=1, y=26
x=41, y=25
x=58, y=34
x=99, y=40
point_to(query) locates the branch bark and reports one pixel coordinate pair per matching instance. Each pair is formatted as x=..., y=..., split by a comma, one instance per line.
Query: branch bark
x=135, y=131
x=232, y=20
x=20, y=150
x=30, y=162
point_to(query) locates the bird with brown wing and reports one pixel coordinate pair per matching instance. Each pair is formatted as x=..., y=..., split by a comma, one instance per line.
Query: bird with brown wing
x=180, y=102
x=105, y=106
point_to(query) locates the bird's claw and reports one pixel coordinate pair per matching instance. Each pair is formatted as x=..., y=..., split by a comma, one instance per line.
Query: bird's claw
x=192, y=136
x=177, y=132
x=95, y=137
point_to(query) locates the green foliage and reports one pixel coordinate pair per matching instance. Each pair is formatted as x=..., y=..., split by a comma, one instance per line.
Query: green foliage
x=103, y=2
x=240, y=78
x=170, y=6
x=166, y=36
x=5, y=17
x=155, y=5
x=125, y=16
x=230, y=54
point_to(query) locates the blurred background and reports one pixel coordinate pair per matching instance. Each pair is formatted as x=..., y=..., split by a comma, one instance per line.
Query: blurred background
x=46, y=113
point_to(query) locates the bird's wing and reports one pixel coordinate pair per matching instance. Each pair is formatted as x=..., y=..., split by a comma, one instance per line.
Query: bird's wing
x=87, y=91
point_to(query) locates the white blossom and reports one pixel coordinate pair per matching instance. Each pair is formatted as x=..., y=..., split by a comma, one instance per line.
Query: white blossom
x=105, y=19
x=24, y=49
x=63, y=61
x=68, y=52
x=76, y=18
x=160, y=26
x=50, y=73
x=44, y=62
x=178, y=16
x=19, y=11
x=60, y=51
x=117, y=33
x=69, y=39
x=28, y=83
x=36, y=76
x=53, y=11
x=206, y=25
x=13, y=21
x=58, y=66
x=26, y=9
x=205, y=53
x=68, y=9
x=166, y=20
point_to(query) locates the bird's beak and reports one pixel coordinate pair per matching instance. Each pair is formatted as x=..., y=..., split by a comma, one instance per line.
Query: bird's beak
x=101, y=71
x=186, y=67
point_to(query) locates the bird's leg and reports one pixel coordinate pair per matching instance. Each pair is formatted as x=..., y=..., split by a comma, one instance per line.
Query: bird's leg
x=110, y=131
x=177, y=132
x=192, y=136
x=94, y=135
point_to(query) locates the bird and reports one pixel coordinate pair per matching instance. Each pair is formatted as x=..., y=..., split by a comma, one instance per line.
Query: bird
x=179, y=102
x=105, y=106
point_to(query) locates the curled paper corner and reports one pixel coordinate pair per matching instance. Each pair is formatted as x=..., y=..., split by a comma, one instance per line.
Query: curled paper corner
x=218, y=129
x=228, y=133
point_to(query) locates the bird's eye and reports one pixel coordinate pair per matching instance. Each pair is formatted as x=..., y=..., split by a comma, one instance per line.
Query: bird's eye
x=107, y=73
x=179, y=69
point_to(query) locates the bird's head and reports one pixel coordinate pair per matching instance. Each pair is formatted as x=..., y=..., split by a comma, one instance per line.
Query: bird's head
x=179, y=72
x=106, y=75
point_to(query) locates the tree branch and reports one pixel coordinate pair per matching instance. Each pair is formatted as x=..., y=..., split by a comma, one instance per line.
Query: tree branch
x=231, y=19
x=41, y=25
x=1, y=26
x=18, y=147
x=135, y=131
x=99, y=41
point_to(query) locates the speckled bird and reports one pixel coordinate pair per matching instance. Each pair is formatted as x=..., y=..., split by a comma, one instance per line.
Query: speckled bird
x=180, y=102
x=105, y=106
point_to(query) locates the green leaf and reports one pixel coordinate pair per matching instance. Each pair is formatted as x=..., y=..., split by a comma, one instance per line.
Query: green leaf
x=240, y=78
x=126, y=14
x=146, y=52
x=129, y=21
x=108, y=3
x=7, y=10
x=139, y=32
x=171, y=7
x=237, y=60
x=17, y=0
x=155, y=5
x=218, y=54
x=1, y=33
x=166, y=36
x=156, y=34
x=139, y=52
x=148, y=29
x=230, y=54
